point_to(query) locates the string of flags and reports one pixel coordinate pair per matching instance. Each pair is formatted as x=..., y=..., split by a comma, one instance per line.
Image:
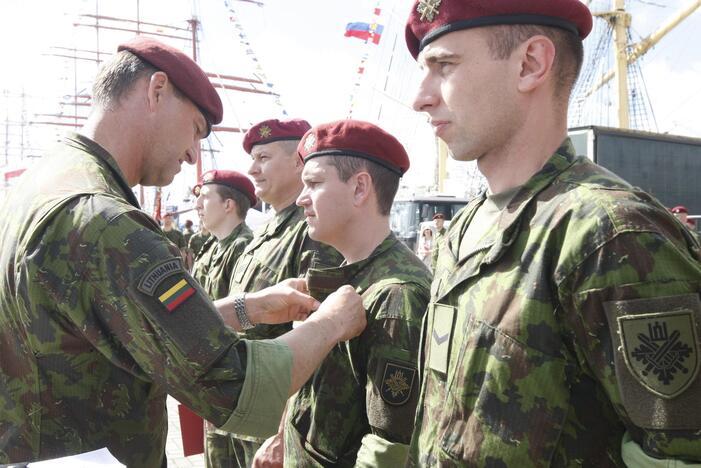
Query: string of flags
x=371, y=33
x=246, y=45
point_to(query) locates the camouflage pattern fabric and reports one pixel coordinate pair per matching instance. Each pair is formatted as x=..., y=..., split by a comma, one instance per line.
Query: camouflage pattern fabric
x=221, y=258
x=176, y=237
x=187, y=235
x=99, y=320
x=280, y=250
x=200, y=269
x=541, y=341
x=368, y=385
x=197, y=241
x=438, y=240
x=224, y=255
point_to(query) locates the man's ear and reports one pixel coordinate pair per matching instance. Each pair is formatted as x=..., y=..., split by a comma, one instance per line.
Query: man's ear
x=537, y=55
x=363, y=188
x=158, y=82
x=229, y=205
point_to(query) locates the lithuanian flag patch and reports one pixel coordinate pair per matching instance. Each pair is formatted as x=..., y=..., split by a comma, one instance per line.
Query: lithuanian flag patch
x=176, y=295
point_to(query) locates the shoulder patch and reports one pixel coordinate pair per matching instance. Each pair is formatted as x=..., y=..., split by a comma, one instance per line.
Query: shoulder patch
x=660, y=350
x=153, y=277
x=397, y=383
x=176, y=294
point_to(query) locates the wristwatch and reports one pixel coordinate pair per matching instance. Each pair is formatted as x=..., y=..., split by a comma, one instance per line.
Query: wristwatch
x=240, y=309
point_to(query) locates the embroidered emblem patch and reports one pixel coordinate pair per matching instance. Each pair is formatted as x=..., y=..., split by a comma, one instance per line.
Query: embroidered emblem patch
x=150, y=281
x=428, y=9
x=397, y=382
x=265, y=131
x=309, y=142
x=176, y=295
x=660, y=350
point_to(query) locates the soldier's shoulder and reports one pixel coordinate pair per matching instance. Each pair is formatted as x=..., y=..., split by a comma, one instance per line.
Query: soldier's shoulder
x=389, y=300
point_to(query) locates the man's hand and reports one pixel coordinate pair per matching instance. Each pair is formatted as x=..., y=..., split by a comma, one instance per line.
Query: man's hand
x=271, y=454
x=344, y=310
x=286, y=301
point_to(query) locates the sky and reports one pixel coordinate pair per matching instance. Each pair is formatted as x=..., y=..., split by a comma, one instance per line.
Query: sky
x=299, y=48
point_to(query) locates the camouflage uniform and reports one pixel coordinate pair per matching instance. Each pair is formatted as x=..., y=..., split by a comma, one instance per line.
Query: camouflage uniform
x=200, y=269
x=280, y=250
x=365, y=391
x=223, y=259
x=99, y=321
x=197, y=241
x=547, y=340
x=437, y=241
x=176, y=237
x=220, y=260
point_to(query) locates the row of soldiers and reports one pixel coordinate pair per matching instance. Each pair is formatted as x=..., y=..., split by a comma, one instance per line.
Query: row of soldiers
x=561, y=327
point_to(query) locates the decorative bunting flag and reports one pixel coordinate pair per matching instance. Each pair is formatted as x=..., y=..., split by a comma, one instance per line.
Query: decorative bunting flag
x=367, y=32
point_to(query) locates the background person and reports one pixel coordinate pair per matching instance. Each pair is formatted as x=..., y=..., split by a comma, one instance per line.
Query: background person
x=424, y=249
x=438, y=221
x=280, y=249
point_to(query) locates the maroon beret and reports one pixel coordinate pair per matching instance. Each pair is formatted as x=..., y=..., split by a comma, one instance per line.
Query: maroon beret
x=233, y=179
x=355, y=138
x=679, y=209
x=272, y=130
x=431, y=19
x=185, y=74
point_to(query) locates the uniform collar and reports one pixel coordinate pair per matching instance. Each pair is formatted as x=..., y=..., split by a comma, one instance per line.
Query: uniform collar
x=509, y=220
x=233, y=235
x=323, y=281
x=85, y=144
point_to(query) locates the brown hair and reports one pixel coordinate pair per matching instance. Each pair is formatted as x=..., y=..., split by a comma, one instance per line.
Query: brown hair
x=384, y=181
x=569, y=51
x=242, y=202
x=117, y=77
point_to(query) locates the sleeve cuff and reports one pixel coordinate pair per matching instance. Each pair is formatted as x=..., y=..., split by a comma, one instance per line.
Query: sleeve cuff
x=633, y=456
x=376, y=451
x=265, y=389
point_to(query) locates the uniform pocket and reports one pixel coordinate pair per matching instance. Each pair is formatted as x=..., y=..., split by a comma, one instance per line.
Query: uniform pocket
x=504, y=400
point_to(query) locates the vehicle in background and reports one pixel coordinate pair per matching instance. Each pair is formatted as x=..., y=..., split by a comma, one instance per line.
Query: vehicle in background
x=665, y=166
x=408, y=214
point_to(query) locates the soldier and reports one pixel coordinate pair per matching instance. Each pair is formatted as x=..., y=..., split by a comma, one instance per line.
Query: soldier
x=438, y=220
x=358, y=408
x=99, y=320
x=223, y=199
x=174, y=235
x=281, y=249
x=187, y=235
x=564, y=317
x=198, y=240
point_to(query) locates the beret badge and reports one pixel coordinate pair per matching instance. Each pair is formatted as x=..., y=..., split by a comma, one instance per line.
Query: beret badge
x=428, y=9
x=309, y=142
x=265, y=131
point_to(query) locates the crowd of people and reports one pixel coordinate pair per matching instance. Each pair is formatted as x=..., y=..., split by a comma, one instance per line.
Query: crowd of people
x=554, y=322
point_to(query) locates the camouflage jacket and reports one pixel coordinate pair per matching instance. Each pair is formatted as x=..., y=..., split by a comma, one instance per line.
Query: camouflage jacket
x=93, y=332
x=200, y=269
x=369, y=384
x=196, y=243
x=222, y=261
x=574, y=319
x=176, y=237
x=280, y=250
x=438, y=240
